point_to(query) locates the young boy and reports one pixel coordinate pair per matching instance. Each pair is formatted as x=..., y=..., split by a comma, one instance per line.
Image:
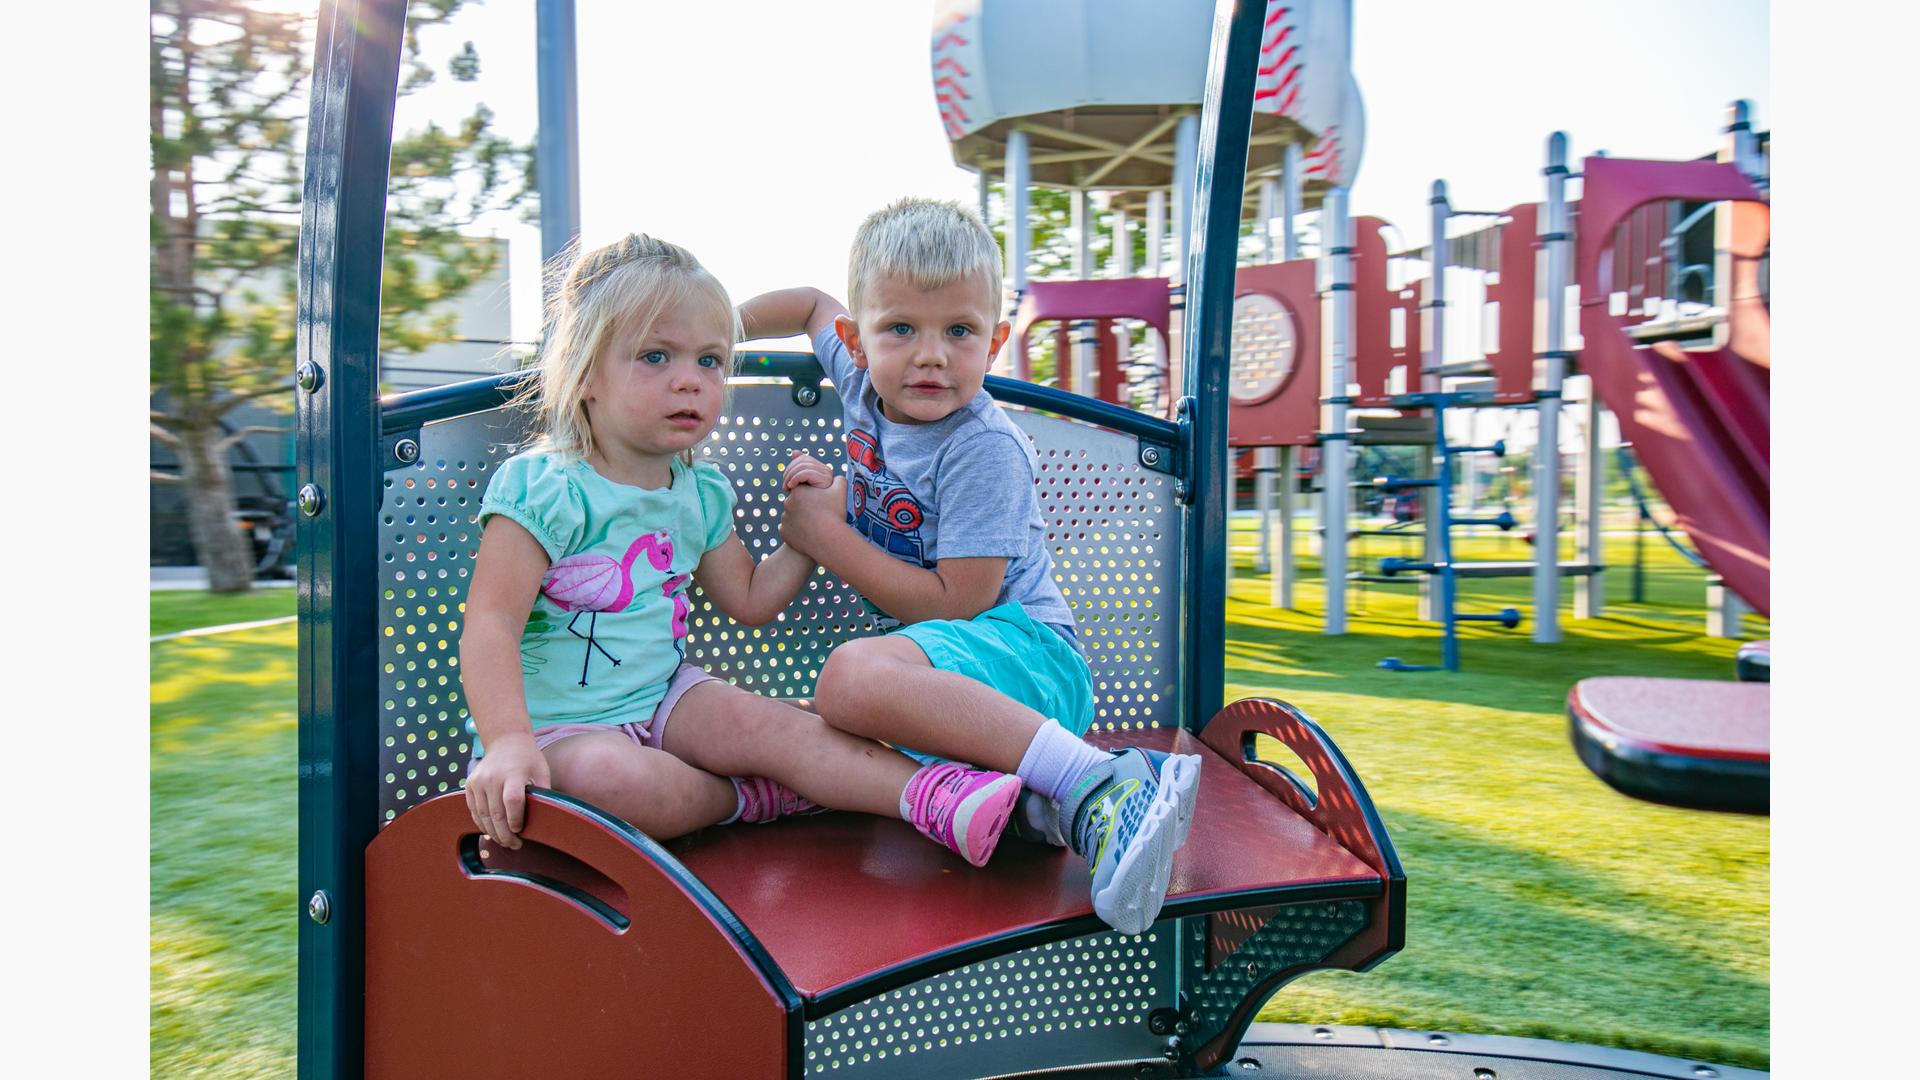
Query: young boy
x=938, y=526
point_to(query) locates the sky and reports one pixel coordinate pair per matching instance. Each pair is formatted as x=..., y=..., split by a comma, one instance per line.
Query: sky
x=758, y=134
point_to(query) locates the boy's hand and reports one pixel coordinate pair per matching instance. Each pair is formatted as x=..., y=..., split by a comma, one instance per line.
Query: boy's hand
x=806, y=469
x=813, y=514
x=497, y=787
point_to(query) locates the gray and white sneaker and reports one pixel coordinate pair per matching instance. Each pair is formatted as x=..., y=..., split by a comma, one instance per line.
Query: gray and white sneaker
x=1127, y=818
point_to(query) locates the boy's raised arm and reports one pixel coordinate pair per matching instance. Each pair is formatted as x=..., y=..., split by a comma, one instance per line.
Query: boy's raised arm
x=786, y=312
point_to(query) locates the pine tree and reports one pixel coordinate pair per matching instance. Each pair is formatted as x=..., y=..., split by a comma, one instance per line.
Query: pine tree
x=227, y=115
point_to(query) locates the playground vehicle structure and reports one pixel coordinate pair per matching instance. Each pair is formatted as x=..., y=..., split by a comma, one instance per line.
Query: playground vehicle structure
x=893, y=964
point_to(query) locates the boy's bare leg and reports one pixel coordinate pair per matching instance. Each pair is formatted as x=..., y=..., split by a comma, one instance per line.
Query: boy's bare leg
x=885, y=688
x=656, y=792
x=723, y=729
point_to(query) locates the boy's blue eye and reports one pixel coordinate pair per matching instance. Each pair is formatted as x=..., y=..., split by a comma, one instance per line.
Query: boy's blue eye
x=654, y=357
x=959, y=331
x=709, y=361
x=900, y=329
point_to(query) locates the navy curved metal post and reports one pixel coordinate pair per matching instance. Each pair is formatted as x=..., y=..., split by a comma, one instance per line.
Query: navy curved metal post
x=1226, y=120
x=356, y=75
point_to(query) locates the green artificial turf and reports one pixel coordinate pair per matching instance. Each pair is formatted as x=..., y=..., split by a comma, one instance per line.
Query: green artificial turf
x=224, y=851
x=174, y=610
x=1540, y=902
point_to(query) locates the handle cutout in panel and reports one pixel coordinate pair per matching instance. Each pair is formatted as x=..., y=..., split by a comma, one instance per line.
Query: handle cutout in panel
x=1270, y=753
x=550, y=869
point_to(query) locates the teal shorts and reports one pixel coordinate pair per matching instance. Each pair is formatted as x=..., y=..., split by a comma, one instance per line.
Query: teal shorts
x=1010, y=651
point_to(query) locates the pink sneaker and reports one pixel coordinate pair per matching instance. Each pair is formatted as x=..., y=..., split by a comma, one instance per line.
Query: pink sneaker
x=763, y=800
x=965, y=809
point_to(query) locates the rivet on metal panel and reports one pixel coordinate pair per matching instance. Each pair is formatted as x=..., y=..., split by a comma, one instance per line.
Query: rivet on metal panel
x=319, y=907
x=1149, y=456
x=407, y=450
x=308, y=376
x=1249, y=1064
x=1438, y=1040
x=806, y=395
x=311, y=500
x=1485, y=1074
x=1172, y=1052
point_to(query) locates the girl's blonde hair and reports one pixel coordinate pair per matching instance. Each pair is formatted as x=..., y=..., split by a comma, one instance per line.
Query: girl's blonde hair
x=630, y=282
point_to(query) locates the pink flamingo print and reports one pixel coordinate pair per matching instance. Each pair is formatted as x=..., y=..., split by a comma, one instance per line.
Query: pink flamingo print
x=593, y=583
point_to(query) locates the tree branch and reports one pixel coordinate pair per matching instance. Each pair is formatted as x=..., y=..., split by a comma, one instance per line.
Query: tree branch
x=159, y=477
x=163, y=434
x=241, y=397
x=251, y=429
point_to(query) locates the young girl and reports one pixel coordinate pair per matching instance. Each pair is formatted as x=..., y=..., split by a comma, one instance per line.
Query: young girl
x=572, y=651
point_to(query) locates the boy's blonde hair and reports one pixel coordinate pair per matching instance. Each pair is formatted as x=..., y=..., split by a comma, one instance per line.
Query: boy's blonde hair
x=636, y=278
x=931, y=243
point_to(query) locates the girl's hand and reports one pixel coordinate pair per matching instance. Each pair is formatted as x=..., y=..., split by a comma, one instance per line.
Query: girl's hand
x=812, y=515
x=806, y=469
x=497, y=787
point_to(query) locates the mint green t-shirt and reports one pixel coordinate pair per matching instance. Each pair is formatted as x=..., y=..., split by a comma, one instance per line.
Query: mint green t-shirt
x=608, y=629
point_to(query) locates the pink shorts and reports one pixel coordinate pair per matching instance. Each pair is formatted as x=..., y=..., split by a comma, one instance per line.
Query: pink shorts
x=648, y=732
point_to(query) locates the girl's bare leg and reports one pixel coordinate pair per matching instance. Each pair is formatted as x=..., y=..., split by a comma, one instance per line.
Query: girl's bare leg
x=726, y=730
x=657, y=793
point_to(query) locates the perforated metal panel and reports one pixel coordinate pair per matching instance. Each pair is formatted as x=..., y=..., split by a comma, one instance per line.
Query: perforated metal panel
x=1071, y=1002
x=428, y=537
x=1115, y=531
x=1113, y=526
x=1295, y=934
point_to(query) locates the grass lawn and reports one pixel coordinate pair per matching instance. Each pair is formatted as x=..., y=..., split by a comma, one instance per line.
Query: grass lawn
x=174, y=610
x=1541, y=903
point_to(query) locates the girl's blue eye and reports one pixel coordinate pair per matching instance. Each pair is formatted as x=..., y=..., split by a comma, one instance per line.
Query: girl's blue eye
x=709, y=361
x=654, y=357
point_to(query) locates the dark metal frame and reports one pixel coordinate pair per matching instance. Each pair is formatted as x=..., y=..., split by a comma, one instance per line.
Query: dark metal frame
x=344, y=204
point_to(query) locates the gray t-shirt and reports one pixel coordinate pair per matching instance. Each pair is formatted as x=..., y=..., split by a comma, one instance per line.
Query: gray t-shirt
x=959, y=488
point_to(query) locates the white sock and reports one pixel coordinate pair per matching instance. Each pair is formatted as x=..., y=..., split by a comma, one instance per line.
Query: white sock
x=739, y=802
x=1056, y=759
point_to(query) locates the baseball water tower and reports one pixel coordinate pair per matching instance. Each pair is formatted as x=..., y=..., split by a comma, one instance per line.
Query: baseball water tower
x=1104, y=96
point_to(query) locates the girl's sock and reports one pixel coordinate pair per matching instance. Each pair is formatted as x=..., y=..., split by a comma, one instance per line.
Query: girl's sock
x=1056, y=759
x=759, y=799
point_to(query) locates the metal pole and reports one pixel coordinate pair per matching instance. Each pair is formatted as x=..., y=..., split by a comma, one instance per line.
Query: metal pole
x=1265, y=458
x=1019, y=177
x=986, y=190
x=1590, y=596
x=1122, y=245
x=1081, y=226
x=1219, y=178
x=1269, y=205
x=356, y=69
x=1337, y=267
x=1280, y=588
x=1432, y=355
x=1291, y=184
x=1186, y=140
x=1157, y=234
x=557, y=153
x=1557, y=236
